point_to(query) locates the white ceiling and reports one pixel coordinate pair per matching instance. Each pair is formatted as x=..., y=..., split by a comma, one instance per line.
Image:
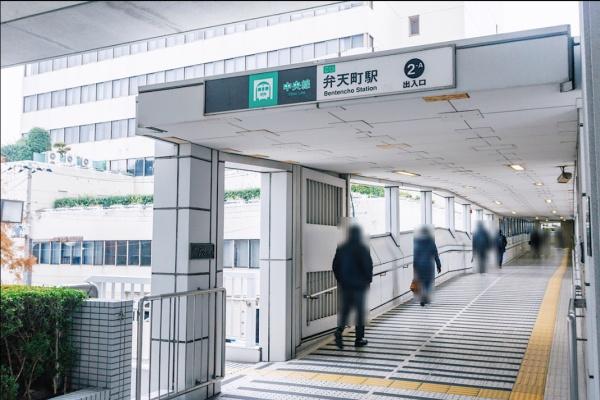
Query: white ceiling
x=533, y=126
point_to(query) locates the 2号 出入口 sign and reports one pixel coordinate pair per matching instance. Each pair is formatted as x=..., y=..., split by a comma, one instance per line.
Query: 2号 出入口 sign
x=397, y=73
x=268, y=89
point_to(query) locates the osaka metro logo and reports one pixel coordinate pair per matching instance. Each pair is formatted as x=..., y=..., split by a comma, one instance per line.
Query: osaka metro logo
x=263, y=89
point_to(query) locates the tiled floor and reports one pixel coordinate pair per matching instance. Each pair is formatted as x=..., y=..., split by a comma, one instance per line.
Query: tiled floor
x=469, y=343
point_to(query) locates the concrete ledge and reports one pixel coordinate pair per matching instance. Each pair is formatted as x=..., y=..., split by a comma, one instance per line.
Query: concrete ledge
x=86, y=394
x=240, y=353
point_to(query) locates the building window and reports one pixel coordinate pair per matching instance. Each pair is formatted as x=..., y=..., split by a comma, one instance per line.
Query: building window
x=59, y=98
x=273, y=60
x=139, y=167
x=88, y=253
x=45, y=253
x=121, y=252
x=74, y=96
x=86, y=133
x=149, y=166
x=229, y=66
x=194, y=36
x=133, y=252
x=110, y=252
x=57, y=135
x=30, y=103
x=320, y=49
x=283, y=56
x=105, y=54
x=174, y=75
x=102, y=131
x=88, y=93
x=254, y=253
x=195, y=71
x=135, y=82
x=65, y=253
x=119, y=129
x=90, y=57
x=76, y=258
x=72, y=135
x=104, y=90
x=357, y=41
x=98, y=252
x=219, y=67
x=31, y=69
x=413, y=25
x=156, y=77
x=120, y=87
x=44, y=101
x=261, y=60
x=74, y=61
x=45, y=66
x=146, y=252
x=308, y=52
x=140, y=47
x=158, y=43
x=175, y=40
x=55, y=255
x=131, y=127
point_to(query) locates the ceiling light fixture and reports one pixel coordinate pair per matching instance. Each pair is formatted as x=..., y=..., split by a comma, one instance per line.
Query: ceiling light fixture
x=548, y=201
x=538, y=184
x=406, y=173
x=537, y=218
x=497, y=202
x=564, y=177
x=553, y=211
x=469, y=187
x=514, y=212
x=517, y=167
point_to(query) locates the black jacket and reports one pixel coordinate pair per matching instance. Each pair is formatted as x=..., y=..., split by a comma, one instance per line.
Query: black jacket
x=353, y=266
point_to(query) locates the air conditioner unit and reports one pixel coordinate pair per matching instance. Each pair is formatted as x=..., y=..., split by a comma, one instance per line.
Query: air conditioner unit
x=83, y=162
x=53, y=157
x=70, y=159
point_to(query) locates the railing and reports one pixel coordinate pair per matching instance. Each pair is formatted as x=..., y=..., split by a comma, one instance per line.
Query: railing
x=184, y=340
x=242, y=320
x=573, y=365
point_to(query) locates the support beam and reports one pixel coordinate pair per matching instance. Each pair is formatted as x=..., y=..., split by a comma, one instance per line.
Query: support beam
x=188, y=208
x=392, y=210
x=276, y=275
x=426, y=208
x=450, y=222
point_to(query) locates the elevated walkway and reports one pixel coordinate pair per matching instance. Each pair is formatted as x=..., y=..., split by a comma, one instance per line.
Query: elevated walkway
x=484, y=336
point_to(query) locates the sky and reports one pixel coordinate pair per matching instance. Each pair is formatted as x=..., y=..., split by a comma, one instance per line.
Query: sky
x=514, y=16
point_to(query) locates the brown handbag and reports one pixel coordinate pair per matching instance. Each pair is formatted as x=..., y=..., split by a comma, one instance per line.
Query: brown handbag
x=414, y=286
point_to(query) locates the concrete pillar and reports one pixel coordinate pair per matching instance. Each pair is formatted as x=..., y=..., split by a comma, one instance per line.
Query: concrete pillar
x=426, y=208
x=450, y=223
x=276, y=274
x=467, y=217
x=188, y=215
x=392, y=210
x=590, y=50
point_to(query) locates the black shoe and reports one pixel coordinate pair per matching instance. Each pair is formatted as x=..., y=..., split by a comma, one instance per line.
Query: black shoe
x=360, y=343
x=422, y=304
x=339, y=342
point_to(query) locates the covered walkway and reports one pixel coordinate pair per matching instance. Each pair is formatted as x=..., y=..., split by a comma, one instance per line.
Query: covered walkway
x=484, y=336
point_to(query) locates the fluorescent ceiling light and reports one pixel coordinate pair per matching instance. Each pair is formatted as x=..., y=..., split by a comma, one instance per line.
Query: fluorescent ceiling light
x=514, y=212
x=406, y=173
x=537, y=217
x=469, y=187
x=553, y=211
x=517, y=167
x=538, y=184
x=497, y=202
x=548, y=201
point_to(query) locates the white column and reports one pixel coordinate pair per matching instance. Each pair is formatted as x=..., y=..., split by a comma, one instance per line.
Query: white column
x=276, y=274
x=392, y=210
x=467, y=218
x=426, y=208
x=450, y=223
x=188, y=210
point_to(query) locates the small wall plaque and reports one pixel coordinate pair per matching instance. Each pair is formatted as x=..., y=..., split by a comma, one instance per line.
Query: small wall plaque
x=202, y=251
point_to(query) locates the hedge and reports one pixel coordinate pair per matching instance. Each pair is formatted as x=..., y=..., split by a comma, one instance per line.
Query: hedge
x=104, y=201
x=35, y=350
x=244, y=194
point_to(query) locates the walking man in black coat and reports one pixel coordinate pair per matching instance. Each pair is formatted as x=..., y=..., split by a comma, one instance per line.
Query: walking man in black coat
x=500, y=247
x=353, y=270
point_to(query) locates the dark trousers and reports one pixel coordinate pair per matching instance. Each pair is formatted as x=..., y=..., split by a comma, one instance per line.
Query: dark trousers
x=353, y=299
x=500, y=257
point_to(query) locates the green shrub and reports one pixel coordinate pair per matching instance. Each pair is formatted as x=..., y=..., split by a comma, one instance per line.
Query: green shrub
x=244, y=194
x=37, y=140
x=35, y=350
x=104, y=201
x=369, y=191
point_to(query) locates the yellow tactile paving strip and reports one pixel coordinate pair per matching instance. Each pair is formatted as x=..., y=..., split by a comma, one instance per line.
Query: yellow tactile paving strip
x=531, y=380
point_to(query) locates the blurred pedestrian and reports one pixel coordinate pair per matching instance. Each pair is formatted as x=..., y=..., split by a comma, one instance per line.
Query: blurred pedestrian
x=353, y=270
x=481, y=246
x=535, y=241
x=500, y=247
x=424, y=255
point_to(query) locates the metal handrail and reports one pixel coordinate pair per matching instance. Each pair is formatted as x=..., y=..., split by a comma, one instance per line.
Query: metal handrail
x=573, y=365
x=177, y=296
x=315, y=296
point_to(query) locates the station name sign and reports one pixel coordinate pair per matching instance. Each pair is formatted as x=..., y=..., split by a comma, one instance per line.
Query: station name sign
x=397, y=73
